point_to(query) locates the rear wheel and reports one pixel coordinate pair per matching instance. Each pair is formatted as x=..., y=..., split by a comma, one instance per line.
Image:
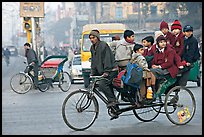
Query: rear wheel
x=21, y=83
x=65, y=82
x=149, y=112
x=43, y=85
x=180, y=105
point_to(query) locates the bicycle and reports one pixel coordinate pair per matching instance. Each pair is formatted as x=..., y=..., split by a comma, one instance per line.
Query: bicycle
x=81, y=108
x=22, y=82
x=53, y=71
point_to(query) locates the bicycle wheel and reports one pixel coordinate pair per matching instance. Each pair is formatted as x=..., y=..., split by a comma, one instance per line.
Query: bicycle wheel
x=79, y=110
x=21, y=83
x=180, y=105
x=43, y=85
x=149, y=112
x=65, y=82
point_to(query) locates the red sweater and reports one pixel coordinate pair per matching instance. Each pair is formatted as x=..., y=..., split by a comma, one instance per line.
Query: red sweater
x=170, y=38
x=150, y=52
x=178, y=44
x=166, y=61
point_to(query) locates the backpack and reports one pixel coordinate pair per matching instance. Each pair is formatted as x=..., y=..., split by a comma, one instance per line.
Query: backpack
x=133, y=76
x=117, y=82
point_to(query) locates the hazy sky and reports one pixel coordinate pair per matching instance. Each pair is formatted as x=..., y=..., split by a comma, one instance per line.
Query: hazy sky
x=52, y=5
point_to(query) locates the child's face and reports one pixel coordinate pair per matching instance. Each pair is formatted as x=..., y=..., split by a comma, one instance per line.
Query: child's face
x=131, y=38
x=188, y=33
x=141, y=51
x=165, y=31
x=162, y=44
x=176, y=31
x=146, y=43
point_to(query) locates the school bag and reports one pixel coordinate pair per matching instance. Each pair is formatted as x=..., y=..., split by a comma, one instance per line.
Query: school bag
x=133, y=75
x=117, y=82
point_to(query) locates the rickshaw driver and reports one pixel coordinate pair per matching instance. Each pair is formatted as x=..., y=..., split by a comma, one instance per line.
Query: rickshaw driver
x=31, y=56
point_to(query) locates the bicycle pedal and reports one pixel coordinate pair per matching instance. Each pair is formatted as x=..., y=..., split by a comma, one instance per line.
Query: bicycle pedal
x=114, y=117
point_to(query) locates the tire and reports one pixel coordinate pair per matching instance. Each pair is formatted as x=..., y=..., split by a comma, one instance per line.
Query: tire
x=180, y=105
x=43, y=85
x=149, y=112
x=198, y=82
x=86, y=81
x=79, y=110
x=65, y=82
x=21, y=83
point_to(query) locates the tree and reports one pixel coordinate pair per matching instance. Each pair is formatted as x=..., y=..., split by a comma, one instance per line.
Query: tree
x=194, y=16
x=58, y=29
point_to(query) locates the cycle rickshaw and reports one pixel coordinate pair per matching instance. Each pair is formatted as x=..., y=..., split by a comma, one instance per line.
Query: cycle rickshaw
x=50, y=71
x=81, y=108
x=195, y=73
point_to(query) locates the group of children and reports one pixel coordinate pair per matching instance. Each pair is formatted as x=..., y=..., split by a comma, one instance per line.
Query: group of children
x=166, y=54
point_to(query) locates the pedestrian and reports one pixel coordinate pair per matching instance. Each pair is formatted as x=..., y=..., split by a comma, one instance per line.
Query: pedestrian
x=32, y=59
x=115, y=37
x=103, y=64
x=190, y=53
x=164, y=28
x=7, y=55
x=63, y=51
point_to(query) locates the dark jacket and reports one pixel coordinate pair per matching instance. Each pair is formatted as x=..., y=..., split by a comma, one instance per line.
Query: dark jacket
x=6, y=53
x=191, y=51
x=31, y=56
x=102, y=58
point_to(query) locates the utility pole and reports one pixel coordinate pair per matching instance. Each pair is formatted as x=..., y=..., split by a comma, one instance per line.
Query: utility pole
x=139, y=16
x=34, y=35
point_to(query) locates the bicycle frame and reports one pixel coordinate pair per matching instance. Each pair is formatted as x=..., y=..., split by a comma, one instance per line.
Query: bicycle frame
x=130, y=105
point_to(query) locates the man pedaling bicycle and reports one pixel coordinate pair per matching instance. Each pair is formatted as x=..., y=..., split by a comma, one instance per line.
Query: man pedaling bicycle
x=31, y=56
x=103, y=63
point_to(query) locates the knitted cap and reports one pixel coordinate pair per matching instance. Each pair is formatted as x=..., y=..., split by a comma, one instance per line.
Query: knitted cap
x=95, y=33
x=164, y=25
x=161, y=37
x=176, y=25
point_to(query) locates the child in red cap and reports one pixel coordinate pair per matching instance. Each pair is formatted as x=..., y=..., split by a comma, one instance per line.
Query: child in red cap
x=164, y=28
x=178, y=43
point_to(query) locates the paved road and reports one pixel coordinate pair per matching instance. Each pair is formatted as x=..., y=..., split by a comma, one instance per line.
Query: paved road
x=37, y=113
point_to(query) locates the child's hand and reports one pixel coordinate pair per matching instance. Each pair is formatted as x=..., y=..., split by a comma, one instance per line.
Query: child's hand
x=146, y=69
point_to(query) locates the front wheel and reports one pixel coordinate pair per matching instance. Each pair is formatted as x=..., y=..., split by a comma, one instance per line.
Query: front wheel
x=180, y=105
x=79, y=110
x=21, y=83
x=65, y=82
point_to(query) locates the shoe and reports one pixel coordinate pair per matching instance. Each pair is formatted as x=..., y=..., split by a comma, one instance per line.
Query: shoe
x=138, y=105
x=114, y=117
